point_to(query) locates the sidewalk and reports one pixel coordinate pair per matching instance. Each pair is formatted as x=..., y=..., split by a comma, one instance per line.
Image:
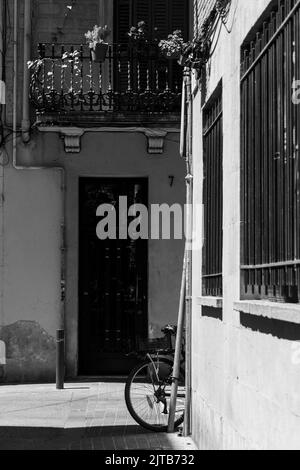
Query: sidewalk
x=85, y=416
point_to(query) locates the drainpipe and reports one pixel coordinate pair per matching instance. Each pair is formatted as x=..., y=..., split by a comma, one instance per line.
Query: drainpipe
x=185, y=307
x=183, y=123
x=189, y=253
x=26, y=72
x=60, y=369
x=1, y=176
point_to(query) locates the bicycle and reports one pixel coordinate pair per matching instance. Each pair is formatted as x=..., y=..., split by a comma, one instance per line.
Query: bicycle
x=148, y=386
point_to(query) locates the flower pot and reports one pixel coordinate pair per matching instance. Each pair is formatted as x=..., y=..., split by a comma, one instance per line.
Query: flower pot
x=173, y=56
x=99, y=52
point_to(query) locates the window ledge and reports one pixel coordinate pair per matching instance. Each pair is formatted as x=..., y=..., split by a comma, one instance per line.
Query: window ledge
x=289, y=313
x=214, y=302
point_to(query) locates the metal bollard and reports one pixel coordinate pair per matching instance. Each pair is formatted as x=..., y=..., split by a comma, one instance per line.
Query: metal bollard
x=60, y=359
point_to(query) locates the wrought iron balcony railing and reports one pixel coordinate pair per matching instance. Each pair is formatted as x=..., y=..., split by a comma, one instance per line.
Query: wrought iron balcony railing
x=65, y=80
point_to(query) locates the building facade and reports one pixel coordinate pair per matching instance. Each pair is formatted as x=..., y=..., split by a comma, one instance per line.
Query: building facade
x=77, y=134
x=245, y=323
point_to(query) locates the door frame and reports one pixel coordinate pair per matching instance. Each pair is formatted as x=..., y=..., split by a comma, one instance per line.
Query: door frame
x=147, y=191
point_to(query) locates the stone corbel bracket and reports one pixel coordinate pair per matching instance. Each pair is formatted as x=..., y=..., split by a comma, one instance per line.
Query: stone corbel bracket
x=156, y=141
x=72, y=136
x=72, y=139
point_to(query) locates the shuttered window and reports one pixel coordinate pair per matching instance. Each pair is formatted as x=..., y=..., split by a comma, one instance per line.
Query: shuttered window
x=154, y=72
x=122, y=19
x=165, y=15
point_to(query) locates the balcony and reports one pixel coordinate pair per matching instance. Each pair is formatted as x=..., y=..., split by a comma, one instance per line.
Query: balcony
x=129, y=87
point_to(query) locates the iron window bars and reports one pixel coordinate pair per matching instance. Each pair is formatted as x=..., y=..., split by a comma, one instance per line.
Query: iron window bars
x=270, y=159
x=213, y=197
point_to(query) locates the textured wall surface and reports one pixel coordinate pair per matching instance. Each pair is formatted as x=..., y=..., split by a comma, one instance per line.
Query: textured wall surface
x=30, y=205
x=106, y=154
x=31, y=275
x=30, y=352
x=245, y=376
x=52, y=25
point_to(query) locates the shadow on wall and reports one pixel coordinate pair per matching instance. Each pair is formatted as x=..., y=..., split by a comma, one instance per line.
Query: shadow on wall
x=210, y=312
x=29, y=353
x=277, y=328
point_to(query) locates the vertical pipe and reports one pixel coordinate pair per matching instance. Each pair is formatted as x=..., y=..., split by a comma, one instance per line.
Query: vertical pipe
x=177, y=358
x=1, y=38
x=15, y=78
x=26, y=72
x=185, y=307
x=60, y=363
x=183, y=123
x=189, y=186
x=2, y=59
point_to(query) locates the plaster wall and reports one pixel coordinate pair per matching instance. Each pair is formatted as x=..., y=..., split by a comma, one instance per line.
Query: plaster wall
x=246, y=374
x=30, y=211
x=31, y=250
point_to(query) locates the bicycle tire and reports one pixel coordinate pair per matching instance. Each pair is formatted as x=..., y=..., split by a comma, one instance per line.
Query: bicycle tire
x=128, y=387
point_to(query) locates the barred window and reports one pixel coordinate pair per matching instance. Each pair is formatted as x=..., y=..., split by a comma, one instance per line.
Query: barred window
x=270, y=159
x=213, y=196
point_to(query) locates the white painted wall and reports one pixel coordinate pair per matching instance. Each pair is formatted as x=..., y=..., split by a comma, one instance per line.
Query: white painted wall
x=245, y=383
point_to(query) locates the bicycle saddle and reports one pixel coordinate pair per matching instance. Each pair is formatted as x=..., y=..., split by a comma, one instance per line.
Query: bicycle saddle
x=169, y=329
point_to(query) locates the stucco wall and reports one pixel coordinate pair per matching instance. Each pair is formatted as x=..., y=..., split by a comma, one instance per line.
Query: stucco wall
x=126, y=155
x=30, y=287
x=32, y=211
x=245, y=376
x=52, y=22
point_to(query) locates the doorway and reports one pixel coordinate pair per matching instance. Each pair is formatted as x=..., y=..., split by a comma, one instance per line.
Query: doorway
x=113, y=281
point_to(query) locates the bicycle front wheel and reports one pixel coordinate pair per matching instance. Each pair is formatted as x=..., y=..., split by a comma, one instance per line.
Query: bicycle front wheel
x=148, y=393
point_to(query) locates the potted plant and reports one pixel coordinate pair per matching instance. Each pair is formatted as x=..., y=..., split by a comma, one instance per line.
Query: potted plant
x=173, y=46
x=96, y=38
x=142, y=43
x=138, y=38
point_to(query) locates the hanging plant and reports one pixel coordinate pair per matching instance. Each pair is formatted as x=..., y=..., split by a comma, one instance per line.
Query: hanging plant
x=196, y=53
x=138, y=38
x=199, y=53
x=141, y=42
x=174, y=46
x=96, y=39
x=138, y=34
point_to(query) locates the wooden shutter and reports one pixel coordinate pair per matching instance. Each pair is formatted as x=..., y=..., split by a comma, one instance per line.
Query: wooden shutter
x=142, y=12
x=166, y=15
x=160, y=18
x=178, y=16
x=122, y=20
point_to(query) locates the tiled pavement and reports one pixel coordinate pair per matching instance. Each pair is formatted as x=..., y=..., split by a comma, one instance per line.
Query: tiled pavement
x=85, y=416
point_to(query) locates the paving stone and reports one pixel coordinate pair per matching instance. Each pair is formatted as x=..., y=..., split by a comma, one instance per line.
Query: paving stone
x=89, y=417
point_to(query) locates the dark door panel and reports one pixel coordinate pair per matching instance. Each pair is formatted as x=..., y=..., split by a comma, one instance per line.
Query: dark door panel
x=112, y=281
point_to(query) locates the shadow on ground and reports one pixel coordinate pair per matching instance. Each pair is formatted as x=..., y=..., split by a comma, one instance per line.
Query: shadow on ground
x=102, y=438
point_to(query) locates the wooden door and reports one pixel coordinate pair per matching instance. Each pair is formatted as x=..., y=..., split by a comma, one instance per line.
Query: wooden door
x=112, y=281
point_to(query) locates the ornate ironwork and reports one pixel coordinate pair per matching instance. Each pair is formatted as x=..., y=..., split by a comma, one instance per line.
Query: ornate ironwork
x=64, y=79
